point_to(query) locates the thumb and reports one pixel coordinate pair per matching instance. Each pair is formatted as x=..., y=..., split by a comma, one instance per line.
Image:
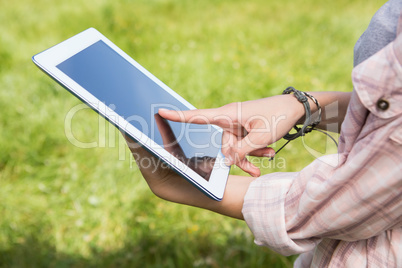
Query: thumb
x=255, y=139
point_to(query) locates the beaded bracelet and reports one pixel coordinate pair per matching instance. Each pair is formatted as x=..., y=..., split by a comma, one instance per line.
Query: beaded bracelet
x=318, y=120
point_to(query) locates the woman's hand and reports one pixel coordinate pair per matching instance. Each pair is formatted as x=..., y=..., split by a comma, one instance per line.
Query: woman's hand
x=162, y=180
x=168, y=185
x=248, y=127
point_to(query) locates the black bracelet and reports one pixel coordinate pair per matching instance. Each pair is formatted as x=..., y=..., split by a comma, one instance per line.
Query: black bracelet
x=301, y=97
x=307, y=125
x=318, y=120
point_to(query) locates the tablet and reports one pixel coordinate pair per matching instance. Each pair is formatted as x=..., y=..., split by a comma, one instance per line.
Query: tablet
x=109, y=81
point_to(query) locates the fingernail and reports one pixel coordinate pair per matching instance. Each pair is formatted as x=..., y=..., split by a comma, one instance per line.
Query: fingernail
x=163, y=110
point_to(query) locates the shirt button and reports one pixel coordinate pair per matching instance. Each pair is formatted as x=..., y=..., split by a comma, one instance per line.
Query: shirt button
x=382, y=104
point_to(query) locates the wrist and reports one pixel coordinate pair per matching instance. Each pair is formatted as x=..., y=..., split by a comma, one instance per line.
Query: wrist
x=297, y=109
x=309, y=123
x=233, y=199
x=313, y=109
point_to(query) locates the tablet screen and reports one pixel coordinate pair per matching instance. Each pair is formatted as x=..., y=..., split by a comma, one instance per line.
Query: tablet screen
x=137, y=98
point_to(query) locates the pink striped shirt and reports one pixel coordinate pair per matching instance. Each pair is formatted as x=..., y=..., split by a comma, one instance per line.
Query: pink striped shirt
x=344, y=210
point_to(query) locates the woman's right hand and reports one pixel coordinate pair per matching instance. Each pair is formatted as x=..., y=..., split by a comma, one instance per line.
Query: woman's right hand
x=248, y=127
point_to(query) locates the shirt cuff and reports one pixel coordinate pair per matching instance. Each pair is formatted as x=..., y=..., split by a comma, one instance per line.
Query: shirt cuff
x=264, y=213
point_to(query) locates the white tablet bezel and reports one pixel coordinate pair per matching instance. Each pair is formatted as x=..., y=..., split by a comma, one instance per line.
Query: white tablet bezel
x=50, y=58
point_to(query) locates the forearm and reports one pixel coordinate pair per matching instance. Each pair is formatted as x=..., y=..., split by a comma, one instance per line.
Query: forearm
x=333, y=105
x=231, y=205
x=233, y=199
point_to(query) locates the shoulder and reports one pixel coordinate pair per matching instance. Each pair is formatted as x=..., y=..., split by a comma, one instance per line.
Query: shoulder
x=380, y=32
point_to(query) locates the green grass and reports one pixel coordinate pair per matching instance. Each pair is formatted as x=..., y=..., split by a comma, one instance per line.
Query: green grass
x=64, y=206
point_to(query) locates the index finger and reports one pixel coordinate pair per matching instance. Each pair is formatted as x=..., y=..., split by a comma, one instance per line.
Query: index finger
x=169, y=140
x=196, y=116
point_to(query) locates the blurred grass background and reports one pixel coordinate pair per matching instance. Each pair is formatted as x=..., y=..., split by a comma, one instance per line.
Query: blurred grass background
x=64, y=206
